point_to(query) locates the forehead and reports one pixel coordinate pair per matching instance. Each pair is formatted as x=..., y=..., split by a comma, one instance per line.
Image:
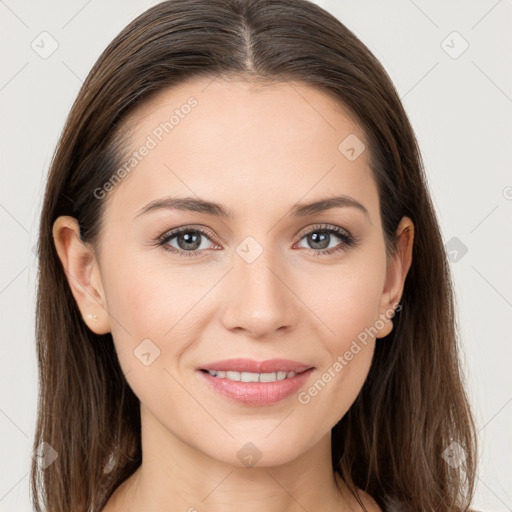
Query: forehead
x=244, y=144
x=235, y=99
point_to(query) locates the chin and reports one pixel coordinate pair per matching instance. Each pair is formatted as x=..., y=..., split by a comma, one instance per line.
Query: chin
x=263, y=450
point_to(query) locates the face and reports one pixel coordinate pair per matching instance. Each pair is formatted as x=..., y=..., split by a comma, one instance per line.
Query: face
x=267, y=280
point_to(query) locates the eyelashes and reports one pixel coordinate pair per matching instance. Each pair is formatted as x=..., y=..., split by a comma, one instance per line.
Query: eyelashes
x=164, y=240
x=347, y=240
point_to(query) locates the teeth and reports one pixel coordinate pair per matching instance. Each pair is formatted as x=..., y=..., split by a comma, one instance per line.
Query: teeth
x=268, y=377
x=252, y=377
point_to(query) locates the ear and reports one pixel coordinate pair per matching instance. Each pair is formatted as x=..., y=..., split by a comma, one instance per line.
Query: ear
x=82, y=271
x=397, y=270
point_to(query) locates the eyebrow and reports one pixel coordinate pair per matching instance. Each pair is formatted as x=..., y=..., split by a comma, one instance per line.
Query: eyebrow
x=192, y=204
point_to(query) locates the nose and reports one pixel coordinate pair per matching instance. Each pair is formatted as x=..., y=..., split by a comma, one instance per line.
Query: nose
x=259, y=297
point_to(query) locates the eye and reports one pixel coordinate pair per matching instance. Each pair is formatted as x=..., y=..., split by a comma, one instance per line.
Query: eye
x=321, y=237
x=189, y=243
x=188, y=240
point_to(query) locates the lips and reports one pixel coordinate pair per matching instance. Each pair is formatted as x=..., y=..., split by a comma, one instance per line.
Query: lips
x=248, y=365
x=255, y=383
x=256, y=393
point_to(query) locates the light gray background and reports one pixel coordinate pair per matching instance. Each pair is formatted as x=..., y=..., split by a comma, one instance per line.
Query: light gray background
x=460, y=109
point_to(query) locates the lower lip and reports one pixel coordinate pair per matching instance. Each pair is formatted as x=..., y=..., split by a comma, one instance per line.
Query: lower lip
x=257, y=393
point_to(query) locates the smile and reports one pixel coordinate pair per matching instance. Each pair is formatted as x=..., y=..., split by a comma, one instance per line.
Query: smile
x=255, y=389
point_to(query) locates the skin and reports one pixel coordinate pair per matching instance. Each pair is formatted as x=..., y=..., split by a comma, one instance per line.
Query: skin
x=258, y=150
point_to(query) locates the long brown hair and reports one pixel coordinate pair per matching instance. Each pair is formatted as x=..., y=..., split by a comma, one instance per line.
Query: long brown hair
x=412, y=410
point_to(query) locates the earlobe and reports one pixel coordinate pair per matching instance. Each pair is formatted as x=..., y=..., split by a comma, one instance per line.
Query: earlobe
x=82, y=272
x=397, y=271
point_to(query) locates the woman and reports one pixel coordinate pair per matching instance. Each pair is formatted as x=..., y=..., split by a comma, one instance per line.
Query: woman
x=230, y=312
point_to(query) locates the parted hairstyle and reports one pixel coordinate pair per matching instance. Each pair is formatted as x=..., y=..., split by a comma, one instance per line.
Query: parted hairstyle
x=413, y=405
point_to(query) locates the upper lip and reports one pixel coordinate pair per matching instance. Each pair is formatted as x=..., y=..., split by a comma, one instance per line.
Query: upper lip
x=249, y=365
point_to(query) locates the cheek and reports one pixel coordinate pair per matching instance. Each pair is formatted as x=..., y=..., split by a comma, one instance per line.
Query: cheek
x=345, y=368
x=146, y=307
x=138, y=310
x=346, y=298
x=348, y=306
x=149, y=299
x=152, y=309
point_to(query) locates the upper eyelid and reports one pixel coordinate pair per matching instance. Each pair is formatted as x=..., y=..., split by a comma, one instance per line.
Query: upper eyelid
x=324, y=227
x=176, y=231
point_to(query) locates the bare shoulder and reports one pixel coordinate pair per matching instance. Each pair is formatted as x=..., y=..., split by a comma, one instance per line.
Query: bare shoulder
x=110, y=506
x=369, y=503
x=116, y=500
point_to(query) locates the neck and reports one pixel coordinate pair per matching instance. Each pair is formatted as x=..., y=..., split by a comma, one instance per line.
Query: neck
x=176, y=476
